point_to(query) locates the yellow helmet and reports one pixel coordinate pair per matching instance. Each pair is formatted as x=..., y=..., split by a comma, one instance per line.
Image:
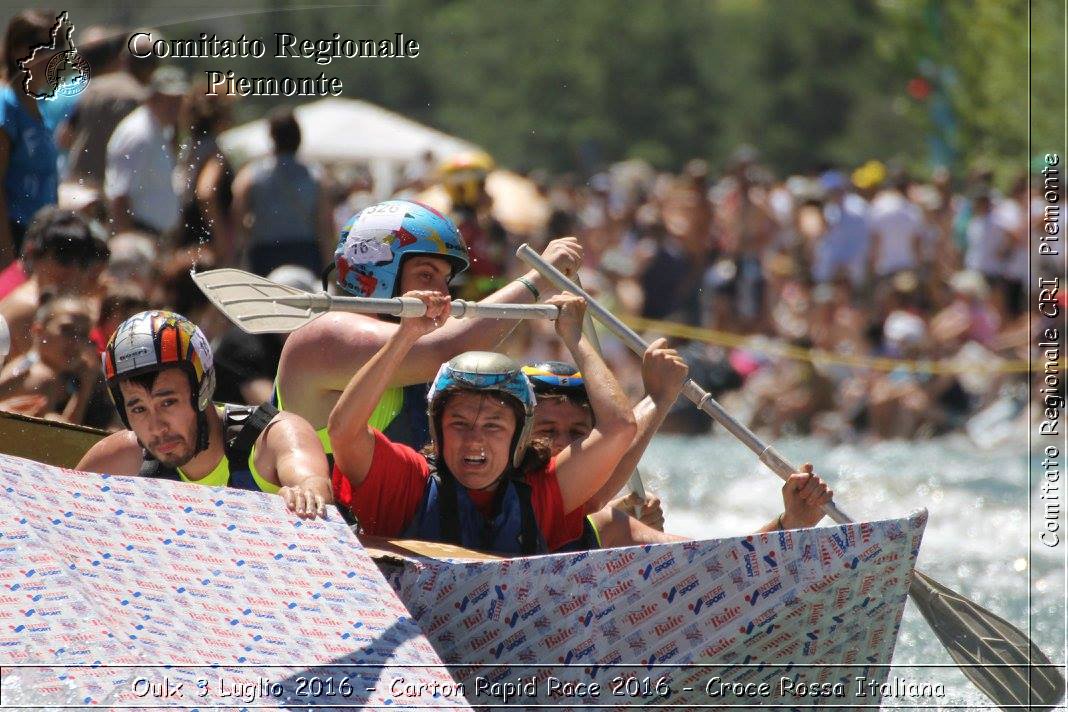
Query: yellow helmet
x=464, y=176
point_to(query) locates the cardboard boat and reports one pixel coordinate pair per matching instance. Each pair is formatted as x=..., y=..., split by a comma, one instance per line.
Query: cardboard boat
x=791, y=618
x=133, y=572
x=125, y=591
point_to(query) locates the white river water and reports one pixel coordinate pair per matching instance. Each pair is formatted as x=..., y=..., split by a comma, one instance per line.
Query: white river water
x=977, y=541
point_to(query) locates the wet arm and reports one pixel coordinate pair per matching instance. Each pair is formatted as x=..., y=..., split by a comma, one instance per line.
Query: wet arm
x=298, y=456
x=352, y=438
x=117, y=454
x=584, y=467
x=649, y=416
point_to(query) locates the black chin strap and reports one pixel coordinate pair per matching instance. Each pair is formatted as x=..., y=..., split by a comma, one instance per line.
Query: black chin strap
x=203, y=432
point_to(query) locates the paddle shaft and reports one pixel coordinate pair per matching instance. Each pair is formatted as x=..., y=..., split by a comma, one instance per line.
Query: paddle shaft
x=404, y=306
x=693, y=392
x=635, y=481
x=980, y=642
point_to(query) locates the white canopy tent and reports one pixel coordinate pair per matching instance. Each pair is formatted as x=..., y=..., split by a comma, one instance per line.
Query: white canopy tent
x=339, y=130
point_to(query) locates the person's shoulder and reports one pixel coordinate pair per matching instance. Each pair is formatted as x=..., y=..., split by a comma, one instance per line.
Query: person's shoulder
x=21, y=303
x=259, y=166
x=334, y=331
x=134, y=126
x=117, y=454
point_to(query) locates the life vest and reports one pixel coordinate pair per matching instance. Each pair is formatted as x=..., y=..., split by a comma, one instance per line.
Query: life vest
x=447, y=515
x=590, y=539
x=242, y=425
x=408, y=423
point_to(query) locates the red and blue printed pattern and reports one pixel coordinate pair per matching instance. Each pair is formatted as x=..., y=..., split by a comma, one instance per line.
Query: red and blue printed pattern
x=154, y=577
x=815, y=606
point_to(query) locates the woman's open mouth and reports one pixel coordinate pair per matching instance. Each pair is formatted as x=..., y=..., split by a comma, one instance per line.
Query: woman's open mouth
x=474, y=461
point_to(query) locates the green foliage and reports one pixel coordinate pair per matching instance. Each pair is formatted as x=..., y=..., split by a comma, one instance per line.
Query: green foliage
x=566, y=84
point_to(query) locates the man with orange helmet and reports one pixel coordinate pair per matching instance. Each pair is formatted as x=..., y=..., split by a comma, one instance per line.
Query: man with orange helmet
x=160, y=370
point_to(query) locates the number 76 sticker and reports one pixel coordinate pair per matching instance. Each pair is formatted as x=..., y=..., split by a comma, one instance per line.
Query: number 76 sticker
x=362, y=252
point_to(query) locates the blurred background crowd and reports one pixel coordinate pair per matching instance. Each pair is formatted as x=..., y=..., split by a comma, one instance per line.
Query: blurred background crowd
x=868, y=299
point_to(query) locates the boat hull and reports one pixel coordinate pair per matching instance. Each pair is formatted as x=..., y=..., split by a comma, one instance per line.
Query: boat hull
x=797, y=617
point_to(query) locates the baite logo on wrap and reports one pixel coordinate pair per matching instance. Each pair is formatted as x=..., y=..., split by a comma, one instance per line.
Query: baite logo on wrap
x=66, y=71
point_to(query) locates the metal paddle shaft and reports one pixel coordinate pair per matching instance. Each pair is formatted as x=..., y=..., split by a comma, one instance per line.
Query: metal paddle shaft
x=259, y=306
x=995, y=655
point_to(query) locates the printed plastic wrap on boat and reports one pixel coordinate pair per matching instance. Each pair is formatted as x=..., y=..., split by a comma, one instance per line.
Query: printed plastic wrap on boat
x=800, y=617
x=113, y=588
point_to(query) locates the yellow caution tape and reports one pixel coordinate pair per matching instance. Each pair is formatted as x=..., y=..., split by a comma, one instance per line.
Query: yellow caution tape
x=818, y=356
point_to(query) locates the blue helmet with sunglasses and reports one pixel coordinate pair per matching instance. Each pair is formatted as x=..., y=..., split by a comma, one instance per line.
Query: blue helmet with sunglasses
x=487, y=372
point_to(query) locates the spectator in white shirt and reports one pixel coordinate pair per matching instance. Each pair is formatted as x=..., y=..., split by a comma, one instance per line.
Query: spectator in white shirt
x=896, y=231
x=1010, y=214
x=140, y=159
x=986, y=241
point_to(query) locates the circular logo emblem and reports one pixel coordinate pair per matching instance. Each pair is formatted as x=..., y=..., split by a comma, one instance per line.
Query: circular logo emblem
x=67, y=73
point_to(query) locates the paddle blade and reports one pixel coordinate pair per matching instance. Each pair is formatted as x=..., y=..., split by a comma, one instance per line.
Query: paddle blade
x=991, y=652
x=256, y=304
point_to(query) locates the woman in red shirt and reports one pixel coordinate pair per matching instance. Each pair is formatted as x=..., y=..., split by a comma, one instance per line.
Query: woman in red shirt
x=483, y=484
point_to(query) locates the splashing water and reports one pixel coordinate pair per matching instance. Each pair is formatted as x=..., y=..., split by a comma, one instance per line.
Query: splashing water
x=976, y=543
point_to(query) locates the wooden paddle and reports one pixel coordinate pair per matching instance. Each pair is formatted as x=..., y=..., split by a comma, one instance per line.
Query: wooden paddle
x=259, y=306
x=995, y=655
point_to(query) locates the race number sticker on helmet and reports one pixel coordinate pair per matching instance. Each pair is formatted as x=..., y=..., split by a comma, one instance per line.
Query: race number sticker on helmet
x=376, y=240
x=369, y=251
x=384, y=216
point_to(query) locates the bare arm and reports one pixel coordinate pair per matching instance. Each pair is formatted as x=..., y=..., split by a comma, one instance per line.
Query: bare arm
x=648, y=418
x=584, y=466
x=207, y=192
x=322, y=356
x=117, y=454
x=74, y=412
x=65, y=133
x=351, y=437
x=803, y=496
x=89, y=367
x=663, y=372
x=616, y=528
x=239, y=215
x=291, y=450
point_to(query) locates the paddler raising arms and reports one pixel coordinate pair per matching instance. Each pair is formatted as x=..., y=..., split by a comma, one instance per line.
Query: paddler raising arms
x=160, y=371
x=386, y=250
x=483, y=484
x=563, y=415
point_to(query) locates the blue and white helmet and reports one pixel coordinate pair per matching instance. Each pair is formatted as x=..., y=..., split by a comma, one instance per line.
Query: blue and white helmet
x=486, y=371
x=375, y=241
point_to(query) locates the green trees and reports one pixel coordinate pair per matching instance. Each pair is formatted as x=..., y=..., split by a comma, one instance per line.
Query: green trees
x=575, y=84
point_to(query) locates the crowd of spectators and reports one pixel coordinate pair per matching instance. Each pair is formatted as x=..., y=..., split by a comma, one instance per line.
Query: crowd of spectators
x=820, y=300
x=848, y=301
